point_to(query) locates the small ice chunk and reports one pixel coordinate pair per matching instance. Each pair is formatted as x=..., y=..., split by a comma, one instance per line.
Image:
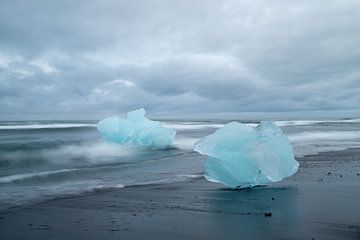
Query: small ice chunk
x=241, y=156
x=137, y=130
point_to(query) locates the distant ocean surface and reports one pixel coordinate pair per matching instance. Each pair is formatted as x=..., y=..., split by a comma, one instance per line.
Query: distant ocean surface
x=46, y=159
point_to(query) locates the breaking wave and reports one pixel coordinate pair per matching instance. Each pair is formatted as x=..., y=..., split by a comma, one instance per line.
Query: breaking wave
x=46, y=126
x=191, y=126
x=329, y=135
x=90, y=153
x=25, y=176
x=311, y=122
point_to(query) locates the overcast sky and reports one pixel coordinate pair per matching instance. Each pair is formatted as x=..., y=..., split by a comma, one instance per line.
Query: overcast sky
x=97, y=58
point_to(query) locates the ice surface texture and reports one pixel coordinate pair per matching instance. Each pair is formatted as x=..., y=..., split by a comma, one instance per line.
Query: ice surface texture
x=137, y=130
x=241, y=156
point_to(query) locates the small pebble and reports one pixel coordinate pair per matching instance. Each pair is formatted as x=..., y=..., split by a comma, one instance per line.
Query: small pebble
x=268, y=214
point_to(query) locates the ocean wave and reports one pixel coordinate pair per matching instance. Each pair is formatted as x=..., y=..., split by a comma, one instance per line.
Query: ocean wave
x=301, y=151
x=46, y=126
x=93, y=152
x=328, y=135
x=175, y=178
x=185, y=143
x=197, y=126
x=97, y=152
x=191, y=176
x=280, y=123
x=311, y=122
x=23, y=195
x=11, y=196
x=191, y=126
x=313, y=142
x=26, y=176
x=176, y=126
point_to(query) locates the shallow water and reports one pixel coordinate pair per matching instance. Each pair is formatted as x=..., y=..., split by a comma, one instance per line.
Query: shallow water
x=45, y=159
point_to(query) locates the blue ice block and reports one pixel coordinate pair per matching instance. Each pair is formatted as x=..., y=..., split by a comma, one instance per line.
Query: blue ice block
x=136, y=129
x=240, y=156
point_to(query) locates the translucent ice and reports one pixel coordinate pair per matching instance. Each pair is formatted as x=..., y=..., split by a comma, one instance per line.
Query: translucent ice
x=137, y=130
x=241, y=156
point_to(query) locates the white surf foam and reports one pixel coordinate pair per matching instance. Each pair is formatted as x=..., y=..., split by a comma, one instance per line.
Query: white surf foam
x=18, y=177
x=310, y=122
x=330, y=135
x=313, y=142
x=92, y=152
x=185, y=143
x=191, y=176
x=197, y=126
x=189, y=126
x=46, y=126
x=97, y=152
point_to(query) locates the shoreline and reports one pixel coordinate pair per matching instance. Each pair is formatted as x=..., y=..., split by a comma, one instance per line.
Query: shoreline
x=310, y=204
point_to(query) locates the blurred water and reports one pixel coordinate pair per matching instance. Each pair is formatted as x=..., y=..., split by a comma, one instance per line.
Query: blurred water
x=40, y=160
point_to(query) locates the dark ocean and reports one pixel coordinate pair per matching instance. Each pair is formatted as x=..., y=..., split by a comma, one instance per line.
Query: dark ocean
x=47, y=159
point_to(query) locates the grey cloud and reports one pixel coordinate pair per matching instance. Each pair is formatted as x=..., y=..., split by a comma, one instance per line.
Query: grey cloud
x=178, y=56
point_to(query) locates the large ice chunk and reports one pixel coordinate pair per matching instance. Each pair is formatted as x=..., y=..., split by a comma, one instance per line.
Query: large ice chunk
x=241, y=156
x=137, y=130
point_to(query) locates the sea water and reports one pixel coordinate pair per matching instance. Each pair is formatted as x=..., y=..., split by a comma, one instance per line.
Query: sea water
x=48, y=159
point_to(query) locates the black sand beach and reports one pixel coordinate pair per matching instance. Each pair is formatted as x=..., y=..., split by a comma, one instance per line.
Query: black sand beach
x=320, y=202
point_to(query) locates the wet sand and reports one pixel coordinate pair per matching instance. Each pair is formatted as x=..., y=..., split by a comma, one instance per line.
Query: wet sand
x=320, y=202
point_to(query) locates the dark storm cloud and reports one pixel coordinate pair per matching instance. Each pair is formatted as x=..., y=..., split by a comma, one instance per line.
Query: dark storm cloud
x=100, y=57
